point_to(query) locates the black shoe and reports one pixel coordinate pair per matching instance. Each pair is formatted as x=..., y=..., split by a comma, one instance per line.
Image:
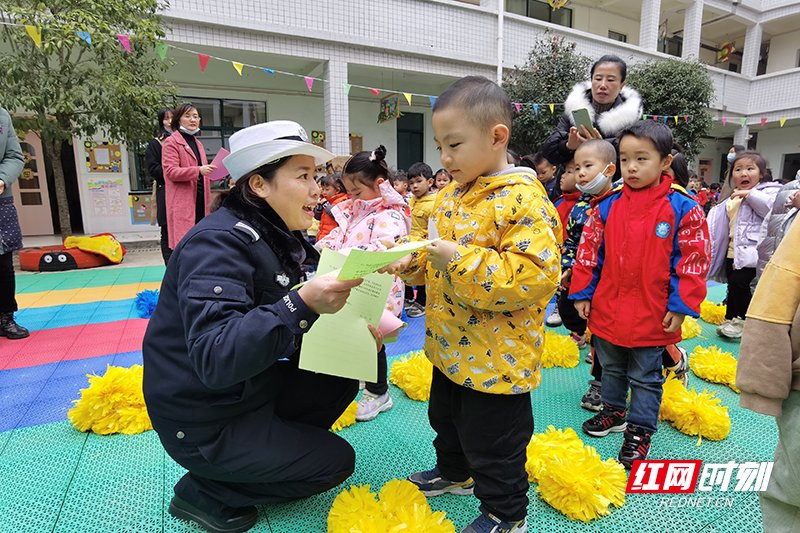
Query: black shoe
x=592, y=400
x=232, y=521
x=635, y=447
x=609, y=420
x=9, y=328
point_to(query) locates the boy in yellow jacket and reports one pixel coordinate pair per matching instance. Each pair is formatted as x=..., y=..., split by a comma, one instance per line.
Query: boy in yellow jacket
x=489, y=279
x=420, y=181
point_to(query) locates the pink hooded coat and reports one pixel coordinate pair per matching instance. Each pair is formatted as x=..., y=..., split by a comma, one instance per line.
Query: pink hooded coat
x=180, y=185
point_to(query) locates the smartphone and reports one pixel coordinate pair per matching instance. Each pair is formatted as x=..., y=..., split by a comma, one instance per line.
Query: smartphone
x=582, y=118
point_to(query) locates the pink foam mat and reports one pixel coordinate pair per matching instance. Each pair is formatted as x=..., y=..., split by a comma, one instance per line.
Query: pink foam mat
x=73, y=342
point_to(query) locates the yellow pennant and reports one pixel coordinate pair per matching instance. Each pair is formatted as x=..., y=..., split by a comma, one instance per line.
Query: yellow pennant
x=35, y=35
x=676, y=119
x=408, y=97
x=783, y=121
x=238, y=67
x=552, y=108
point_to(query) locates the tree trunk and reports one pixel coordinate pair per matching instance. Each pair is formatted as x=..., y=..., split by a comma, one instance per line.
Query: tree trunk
x=54, y=150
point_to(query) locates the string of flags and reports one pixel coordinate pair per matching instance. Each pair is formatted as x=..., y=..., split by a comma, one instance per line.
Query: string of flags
x=162, y=50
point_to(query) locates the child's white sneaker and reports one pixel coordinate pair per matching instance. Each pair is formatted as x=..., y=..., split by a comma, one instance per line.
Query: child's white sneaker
x=371, y=405
x=731, y=329
x=554, y=320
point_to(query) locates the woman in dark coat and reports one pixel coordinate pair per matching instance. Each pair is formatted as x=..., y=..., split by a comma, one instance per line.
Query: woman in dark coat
x=221, y=377
x=152, y=159
x=612, y=106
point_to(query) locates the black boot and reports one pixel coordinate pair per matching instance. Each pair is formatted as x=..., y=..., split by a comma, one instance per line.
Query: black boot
x=232, y=520
x=9, y=328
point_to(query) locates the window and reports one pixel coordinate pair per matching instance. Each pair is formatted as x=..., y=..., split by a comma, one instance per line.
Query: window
x=798, y=58
x=220, y=119
x=539, y=10
x=617, y=36
x=672, y=46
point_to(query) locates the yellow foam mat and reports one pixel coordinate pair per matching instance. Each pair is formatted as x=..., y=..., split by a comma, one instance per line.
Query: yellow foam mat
x=83, y=295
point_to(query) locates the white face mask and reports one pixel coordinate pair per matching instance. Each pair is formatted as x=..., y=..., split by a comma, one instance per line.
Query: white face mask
x=731, y=157
x=597, y=185
x=190, y=132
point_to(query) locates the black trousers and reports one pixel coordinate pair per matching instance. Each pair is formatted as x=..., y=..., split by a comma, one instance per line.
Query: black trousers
x=8, y=285
x=280, y=452
x=739, y=293
x=166, y=251
x=422, y=296
x=569, y=315
x=483, y=436
x=382, y=385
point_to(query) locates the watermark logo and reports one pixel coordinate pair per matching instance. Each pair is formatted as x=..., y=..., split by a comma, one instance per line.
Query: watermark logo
x=687, y=476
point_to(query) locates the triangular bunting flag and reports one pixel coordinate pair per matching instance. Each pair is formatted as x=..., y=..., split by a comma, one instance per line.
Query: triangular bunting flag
x=161, y=48
x=665, y=119
x=676, y=119
x=783, y=121
x=35, y=35
x=432, y=100
x=724, y=120
x=686, y=118
x=517, y=106
x=85, y=36
x=125, y=41
x=374, y=91
x=238, y=66
x=347, y=88
x=535, y=108
x=656, y=117
x=203, y=61
x=408, y=97
x=763, y=120
x=268, y=70
x=309, y=82
x=644, y=117
x=552, y=108
x=743, y=121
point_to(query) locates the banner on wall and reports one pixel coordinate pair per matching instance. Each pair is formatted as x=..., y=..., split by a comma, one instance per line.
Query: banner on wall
x=390, y=108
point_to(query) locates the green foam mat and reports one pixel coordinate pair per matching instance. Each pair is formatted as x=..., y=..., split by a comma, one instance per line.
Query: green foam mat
x=54, y=478
x=77, y=279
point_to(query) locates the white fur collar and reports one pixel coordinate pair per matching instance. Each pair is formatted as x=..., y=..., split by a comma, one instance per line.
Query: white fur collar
x=612, y=121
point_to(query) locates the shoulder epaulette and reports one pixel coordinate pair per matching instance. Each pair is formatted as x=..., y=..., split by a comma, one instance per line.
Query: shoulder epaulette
x=248, y=230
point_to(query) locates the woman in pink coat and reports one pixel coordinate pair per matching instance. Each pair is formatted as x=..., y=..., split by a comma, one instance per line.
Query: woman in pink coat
x=187, y=194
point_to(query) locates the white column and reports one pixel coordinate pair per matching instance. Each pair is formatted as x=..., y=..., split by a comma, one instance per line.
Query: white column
x=337, y=108
x=648, y=27
x=692, y=29
x=752, y=50
x=742, y=136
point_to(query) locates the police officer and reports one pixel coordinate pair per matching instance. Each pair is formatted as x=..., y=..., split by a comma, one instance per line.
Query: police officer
x=221, y=381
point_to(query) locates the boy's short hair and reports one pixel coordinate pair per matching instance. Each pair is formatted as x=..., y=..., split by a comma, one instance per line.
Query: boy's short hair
x=420, y=169
x=601, y=148
x=483, y=101
x=398, y=175
x=332, y=180
x=539, y=159
x=714, y=186
x=658, y=133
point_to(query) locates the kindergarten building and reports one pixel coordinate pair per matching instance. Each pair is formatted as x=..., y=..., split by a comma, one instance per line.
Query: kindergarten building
x=336, y=66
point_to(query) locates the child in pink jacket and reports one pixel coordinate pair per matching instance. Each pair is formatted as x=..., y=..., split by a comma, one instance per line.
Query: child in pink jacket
x=374, y=213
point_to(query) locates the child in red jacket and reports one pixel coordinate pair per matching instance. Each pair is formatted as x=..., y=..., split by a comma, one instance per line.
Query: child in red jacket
x=640, y=269
x=332, y=192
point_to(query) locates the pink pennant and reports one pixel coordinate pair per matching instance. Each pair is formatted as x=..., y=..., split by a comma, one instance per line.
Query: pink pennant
x=724, y=120
x=309, y=82
x=656, y=117
x=763, y=120
x=517, y=106
x=686, y=118
x=203, y=61
x=125, y=41
x=374, y=91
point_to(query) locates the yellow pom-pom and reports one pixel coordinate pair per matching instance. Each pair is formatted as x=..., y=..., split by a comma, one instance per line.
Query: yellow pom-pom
x=348, y=418
x=694, y=413
x=581, y=485
x=113, y=403
x=690, y=328
x=559, y=350
x=416, y=517
x=713, y=313
x=355, y=509
x=714, y=365
x=413, y=375
x=399, y=492
x=545, y=446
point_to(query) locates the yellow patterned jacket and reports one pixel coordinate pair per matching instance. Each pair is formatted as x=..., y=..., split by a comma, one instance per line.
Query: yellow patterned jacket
x=484, y=316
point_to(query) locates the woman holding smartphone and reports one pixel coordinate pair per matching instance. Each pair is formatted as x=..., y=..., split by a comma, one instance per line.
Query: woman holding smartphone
x=595, y=109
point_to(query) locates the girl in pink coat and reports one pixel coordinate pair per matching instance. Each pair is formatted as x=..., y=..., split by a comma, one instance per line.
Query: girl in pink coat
x=374, y=213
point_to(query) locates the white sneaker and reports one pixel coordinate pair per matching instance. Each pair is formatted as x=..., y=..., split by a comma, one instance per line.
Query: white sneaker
x=554, y=320
x=731, y=329
x=370, y=405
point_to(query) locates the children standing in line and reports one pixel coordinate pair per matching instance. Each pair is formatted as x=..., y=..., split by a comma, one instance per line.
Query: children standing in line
x=489, y=280
x=735, y=226
x=420, y=181
x=374, y=214
x=644, y=252
x=332, y=192
x=441, y=179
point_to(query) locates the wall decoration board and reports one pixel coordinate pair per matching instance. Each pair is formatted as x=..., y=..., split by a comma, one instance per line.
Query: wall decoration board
x=103, y=156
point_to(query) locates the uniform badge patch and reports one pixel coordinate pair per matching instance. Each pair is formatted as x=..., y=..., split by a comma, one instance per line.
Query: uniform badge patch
x=282, y=279
x=662, y=230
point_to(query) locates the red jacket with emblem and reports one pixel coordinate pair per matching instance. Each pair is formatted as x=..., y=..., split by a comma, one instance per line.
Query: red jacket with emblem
x=643, y=252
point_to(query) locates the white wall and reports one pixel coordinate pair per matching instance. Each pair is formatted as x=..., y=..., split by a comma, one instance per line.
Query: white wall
x=712, y=150
x=783, y=50
x=774, y=143
x=599, y=22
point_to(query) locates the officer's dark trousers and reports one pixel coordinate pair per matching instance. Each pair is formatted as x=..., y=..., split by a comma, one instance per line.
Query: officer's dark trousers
x=282, y=451
x=483, y=436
